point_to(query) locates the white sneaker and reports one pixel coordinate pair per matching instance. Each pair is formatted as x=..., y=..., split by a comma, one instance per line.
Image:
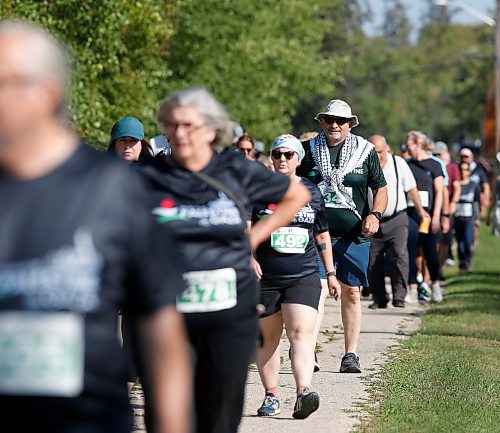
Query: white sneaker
x=411, y=296
x=437, y=294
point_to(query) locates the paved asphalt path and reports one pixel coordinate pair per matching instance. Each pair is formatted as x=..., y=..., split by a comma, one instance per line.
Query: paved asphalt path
x=339, y=392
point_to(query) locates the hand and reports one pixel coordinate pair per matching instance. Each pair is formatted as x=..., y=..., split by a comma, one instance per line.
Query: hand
x=453, y=207
x=436, y=224
x=334, y=287
x=445, y=224
x=254, y=264
x=370, y=225
x=424, y=215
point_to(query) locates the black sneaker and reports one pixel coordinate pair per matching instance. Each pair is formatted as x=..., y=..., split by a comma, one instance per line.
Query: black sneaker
x=350, y=363
x=270, y=406
x=398, y=303
x=376, y=306
x=307, y=403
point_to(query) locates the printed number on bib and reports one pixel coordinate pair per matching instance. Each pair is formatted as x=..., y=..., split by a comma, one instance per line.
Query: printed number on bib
x=208, y=291
x=464, y=210
x=424, y=199
x=41, y=353
x=332, y=201
x=290, y=240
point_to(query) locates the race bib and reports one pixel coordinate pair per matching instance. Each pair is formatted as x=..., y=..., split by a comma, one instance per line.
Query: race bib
x=290, y=240
x=331, y=199
x=208, y=291
x=41, y=353
x=464, y=210
x=424, y=199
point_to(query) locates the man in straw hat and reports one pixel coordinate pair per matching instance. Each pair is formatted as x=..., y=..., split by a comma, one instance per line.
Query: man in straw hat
x=344, y=166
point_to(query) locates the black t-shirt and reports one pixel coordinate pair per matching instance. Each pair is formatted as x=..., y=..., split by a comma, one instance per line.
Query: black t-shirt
x=75, y=246
x=291, y=250
x=211, y=233
x=424, y=172
x=468, y=204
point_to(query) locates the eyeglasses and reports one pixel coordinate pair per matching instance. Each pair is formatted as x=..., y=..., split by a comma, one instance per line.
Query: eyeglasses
x=244, y=150
x=330, y=120
x=276, y=154
x=188, y=127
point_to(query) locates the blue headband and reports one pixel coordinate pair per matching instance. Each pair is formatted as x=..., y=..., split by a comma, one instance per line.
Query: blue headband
x=291, y=142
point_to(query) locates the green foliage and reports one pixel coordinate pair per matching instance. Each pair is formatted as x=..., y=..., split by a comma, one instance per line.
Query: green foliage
x=259, y=58
x=118, y=49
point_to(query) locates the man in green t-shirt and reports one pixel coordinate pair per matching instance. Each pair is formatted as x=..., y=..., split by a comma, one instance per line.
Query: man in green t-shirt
x=344, y=166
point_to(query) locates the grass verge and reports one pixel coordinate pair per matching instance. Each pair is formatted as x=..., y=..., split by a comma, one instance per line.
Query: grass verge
x=446, y=377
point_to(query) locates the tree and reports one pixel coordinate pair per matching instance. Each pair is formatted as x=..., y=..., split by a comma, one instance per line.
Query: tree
x=259, y=58
x=119, y=52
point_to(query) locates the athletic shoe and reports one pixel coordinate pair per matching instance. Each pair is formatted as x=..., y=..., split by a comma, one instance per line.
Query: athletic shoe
x=398, y=303
x=270, y=406
x=449, y=262
x=350, y=363
x=437, y=295
x=424, y=294
x=412, y=296
x=307, y=403
x=316, y=363
x=376, y=306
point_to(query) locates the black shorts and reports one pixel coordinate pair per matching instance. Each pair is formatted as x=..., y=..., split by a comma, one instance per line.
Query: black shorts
x=447, y=238
x=303, y=290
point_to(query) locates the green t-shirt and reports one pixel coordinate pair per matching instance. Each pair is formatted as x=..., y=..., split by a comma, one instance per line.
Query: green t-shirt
x=342, y=222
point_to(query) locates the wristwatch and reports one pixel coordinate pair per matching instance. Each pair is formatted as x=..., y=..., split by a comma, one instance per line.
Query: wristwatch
x=331, y=273
x=377, y=215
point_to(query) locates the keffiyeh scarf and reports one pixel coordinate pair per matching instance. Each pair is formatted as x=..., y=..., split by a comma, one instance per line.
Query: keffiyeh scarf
x=353, y=154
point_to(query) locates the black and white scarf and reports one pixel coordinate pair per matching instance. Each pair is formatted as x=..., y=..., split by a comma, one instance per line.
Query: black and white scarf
x=353, y=154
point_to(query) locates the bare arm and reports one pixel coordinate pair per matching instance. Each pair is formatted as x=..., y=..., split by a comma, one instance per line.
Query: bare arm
x=438, y=204
x=445, y=217
x=324, y=244
x=295, y=197
x=413, y=193
x=485, y=198
x=170, y=367
x=371, y=223
x=457, y=189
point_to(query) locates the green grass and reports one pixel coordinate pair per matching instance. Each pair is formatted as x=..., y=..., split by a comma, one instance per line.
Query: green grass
x=446, y=377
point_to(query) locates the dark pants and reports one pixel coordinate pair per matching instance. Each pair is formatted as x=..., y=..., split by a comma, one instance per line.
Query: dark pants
x=220, y=372
x=428, y=242
x=391, y=238
x=464, y=232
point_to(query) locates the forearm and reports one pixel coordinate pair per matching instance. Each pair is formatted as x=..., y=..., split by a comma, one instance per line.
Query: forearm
x=457, y=188
x=296, y=197
x=171, y=372
x=379, y=199
x=438, y=204
x=324, y=245
x=446, y=201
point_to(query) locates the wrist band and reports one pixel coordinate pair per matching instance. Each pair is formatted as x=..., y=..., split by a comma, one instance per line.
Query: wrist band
x=330, y=273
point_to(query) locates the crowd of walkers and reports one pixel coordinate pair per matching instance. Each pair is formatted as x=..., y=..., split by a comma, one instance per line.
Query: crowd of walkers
x=206, y=251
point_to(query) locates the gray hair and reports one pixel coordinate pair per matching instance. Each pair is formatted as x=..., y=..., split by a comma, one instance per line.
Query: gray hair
x=212, y=111
x=50, y=59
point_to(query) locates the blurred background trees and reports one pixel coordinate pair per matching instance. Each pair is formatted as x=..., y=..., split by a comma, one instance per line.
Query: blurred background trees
x=273, y=63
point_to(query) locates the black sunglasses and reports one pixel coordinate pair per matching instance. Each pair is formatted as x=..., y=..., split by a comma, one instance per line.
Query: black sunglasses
x=276, y=154
x=330, y=120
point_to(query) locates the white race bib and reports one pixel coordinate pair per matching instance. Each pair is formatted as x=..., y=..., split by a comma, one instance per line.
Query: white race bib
x=290, y=240
x=41, y=353
x=464, y=210
x=208, y=291
x=332, y=201
x=424, y=199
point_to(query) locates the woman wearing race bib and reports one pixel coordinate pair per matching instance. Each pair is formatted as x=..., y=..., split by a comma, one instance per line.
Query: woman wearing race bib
x=290, y=285
x=465, y=216
x=202, y=196
x=429, y=177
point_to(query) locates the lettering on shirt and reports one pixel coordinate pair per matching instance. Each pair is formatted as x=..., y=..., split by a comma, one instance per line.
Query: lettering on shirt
x=67, y=278
x=221, y=211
